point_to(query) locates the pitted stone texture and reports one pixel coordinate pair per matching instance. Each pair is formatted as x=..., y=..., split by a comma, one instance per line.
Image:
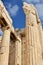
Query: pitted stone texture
x=4, y=56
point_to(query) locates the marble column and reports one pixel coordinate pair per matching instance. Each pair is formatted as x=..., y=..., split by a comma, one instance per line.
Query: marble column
x=40, y=30
x=29, y=40
x=4, y=54
x=23, y=50
x=18, y=52
x=34, y=54
x=40, y=33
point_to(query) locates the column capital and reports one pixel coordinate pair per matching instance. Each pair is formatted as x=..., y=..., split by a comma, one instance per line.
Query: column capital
x=28, y=8
x=6, y=28
x=4, y=51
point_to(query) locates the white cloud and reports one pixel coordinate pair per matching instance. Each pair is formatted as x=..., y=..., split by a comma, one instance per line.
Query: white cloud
x=41, y=1
x=12, y=9
x=34, y=1
x=40, y=10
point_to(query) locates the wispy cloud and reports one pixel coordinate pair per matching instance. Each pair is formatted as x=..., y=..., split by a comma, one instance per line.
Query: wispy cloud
x=34, y=1
x=41, y=1
x=13, y=9
x=40, y=10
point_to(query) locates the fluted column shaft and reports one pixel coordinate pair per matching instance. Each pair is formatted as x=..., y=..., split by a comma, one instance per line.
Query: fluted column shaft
x=18, y=53
x=40, y=34
x=34, y=54
x=4, y=54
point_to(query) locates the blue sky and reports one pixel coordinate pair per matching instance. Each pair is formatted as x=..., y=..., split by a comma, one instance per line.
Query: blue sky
x=16, y=12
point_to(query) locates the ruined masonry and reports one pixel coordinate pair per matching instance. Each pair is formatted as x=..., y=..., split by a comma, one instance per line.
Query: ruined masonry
x=21, y=47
